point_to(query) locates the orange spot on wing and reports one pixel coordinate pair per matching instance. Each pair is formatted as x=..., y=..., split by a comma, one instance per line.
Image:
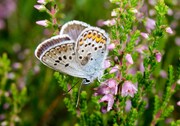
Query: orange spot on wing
x=81, y=43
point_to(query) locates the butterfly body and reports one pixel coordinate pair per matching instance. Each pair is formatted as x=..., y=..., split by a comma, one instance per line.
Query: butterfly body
x=79, y=50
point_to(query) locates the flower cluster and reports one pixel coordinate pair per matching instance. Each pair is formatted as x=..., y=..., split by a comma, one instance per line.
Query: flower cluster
x=41, y=6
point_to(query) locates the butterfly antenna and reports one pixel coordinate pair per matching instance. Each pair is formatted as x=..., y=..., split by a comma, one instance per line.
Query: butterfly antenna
x=71, y=88
x=79, y=91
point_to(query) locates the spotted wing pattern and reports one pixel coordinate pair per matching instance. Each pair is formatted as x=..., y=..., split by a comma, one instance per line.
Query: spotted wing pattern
x=91, y=49
x=58, y=53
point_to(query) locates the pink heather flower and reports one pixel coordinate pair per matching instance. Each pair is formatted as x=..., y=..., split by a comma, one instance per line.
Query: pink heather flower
x=142, y=48
x=141, y=67
x=129, y=59
x=158, y=57
x=113, y=13
x=114, y=69
x=42, y=23
x=163, y=74
x=40, y=7
x=108, y=87
x=152, y=2
x=128, y=105
x=109, y=99
x=170, y=12
x=150, y=24
x=102, y=90
x=112, y=84
x=128, y=89
x=111, y=46
x=169, y=30
x=178, y=103
x=107, y=64
x=144, y=35
x=177, y=41
x=178, y=82
x=41, y=1
x=152, y=12
x=109, y=22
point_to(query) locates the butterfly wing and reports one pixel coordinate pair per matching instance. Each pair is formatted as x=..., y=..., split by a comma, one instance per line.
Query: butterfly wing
x=73, y=29
x=91, y=49
x=58, y=53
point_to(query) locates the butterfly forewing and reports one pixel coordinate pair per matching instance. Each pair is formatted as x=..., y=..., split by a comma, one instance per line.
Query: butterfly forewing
x=73, y=29
x=58, y=53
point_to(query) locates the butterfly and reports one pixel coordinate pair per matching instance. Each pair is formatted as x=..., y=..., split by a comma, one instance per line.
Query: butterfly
x=79, y=50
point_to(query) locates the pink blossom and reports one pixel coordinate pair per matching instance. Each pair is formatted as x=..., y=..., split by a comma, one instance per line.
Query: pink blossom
x=178, y=82
x=107, y=64
x=114, y=69
x=142, y=48
x=42, y=23
x=152, y=12
x=177, y=41
x=144, y=35
x=129, y=59
x=141, y=67
x=128, y=105
x=163, y=74
x=128, y=89
x=158, y=57
x=170, y=12
x=150, y=24
x=41, y=1
x=40, y=7
x=102, y=90
x=178, y=103
x=109, y=22
x=169, y=30
x=109, y=99
x=113, y=13
x=111, y=46
x=112, y=84
x=108, y=87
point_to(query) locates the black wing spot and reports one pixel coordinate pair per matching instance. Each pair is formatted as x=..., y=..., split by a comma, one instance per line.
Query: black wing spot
x=82, y=50
x=92, y=45
x=95, y=48
x=60, y=58
x=66, y=65
x=64, y=57
x=70, y=57
x=55, y=64
x=57, y=61
x=80, y=57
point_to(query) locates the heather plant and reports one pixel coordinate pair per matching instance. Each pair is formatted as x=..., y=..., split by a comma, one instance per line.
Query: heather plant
x=140, y=85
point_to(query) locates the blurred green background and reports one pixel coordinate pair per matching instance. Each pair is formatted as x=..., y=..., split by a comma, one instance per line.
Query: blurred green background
x=19, y=36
